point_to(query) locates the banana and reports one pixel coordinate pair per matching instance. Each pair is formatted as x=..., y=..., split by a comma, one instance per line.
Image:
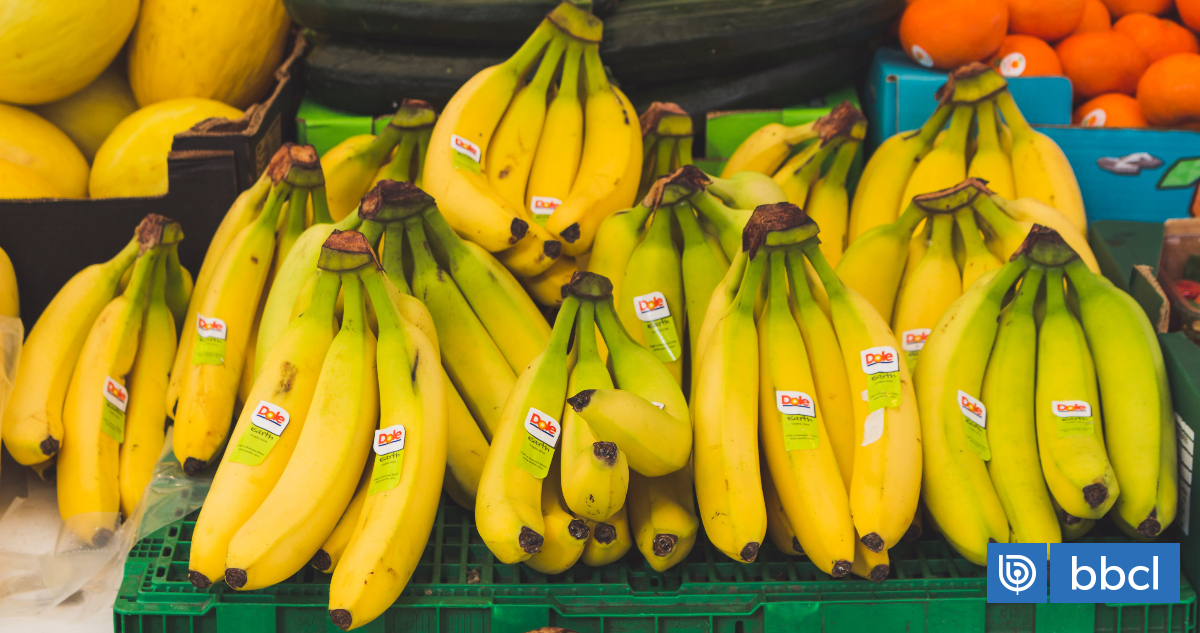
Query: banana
x=566, y=535
x=662, y=517
x=1069, y=427
x=179, y=287
x=886, y=175
x=944, y=166
x=655, y=442
x=990, y=162
x=533, y=255
x=1007, y=392
x=874, y=263
x=1011, y=224
x=33, y=424
x=453, y=171
x=1038, y=212
x=728, y=484
x=798, y=175
x=508, y=504
x=616, y=239
x=703, y=269
x=472, y=359
x=1072, y=527
x=326, y=558
x=560, y=146
x=267, y=431
x=651, y=305
x=728, y=222
x=887, y=469
x=792, y=434
x=609, y=168
x=286, y=530
x=549, y=286
x=977, y=258
x=611, y=539
x=93, y=415
x=402, y=500
x=957, y=489
x=746, y=190
x=146, y=412
x=779, y=528
x=1040, y=169
x=932, y=286
x=767, y=147
x=466, y=455
x=595, y=474
x=1132, y=379
x=415, y=118
x=351, y=166
x=828, y=369
x=829, y=204
x=512, y=319
x=874, y=566
x=666, y=142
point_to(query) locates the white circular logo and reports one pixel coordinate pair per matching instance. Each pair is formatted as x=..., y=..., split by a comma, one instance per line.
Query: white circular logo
x=1095, y=118
x=1017, y=573
x=1013, y=65
x=922, y=56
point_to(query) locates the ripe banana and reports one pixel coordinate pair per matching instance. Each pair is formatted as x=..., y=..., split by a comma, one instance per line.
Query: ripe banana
x=566, y=535
x=549, y=286
x=508, y=506
x=874, y=566
x=779, y=528
x=874, y=263
x=662, y=517
x=402, y=500
x=977, y=258
x=933, y=284
x=611, y=539
x=828, y=203
x=1007, y=394
x=767, y=147
x=465, y=455
x=326, y=558
x=533, y=255
x=179, y=287
x=1040, y=169
x=651, y=304
x=946, y=165
x=655, y=442
x=746, y=190
x=990, y=162
x=703, y=268
x=793, y=437
x=616, y=239
x=286, y=530
x=560, y=146
x=33, y=425
x=267, y=432
x=146, y=412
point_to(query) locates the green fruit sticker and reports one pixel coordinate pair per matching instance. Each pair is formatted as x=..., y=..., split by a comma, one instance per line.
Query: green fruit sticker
x=112, y=416
x=661, y=336
x=1074, y=417
x=389, y=458
x=467, y=155
x=267, y=423
x=209, y=348
x=537, y=449
x=542, y=207
x=882, y=367
x=975, y=424
x=912, y=342
x=798, y=416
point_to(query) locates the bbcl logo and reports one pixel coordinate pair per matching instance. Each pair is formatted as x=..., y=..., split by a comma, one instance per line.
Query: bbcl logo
x=1146, y=573
x=1016, y=573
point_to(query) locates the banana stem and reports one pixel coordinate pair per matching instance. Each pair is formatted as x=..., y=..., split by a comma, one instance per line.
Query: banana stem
x=611, y=327
x=401, y=166
x=274, y=204
x=320, y=206
x=564, y=326
x=747, y=294
x=372, y=231
x=1027, y=293
x=908, y=221
x=777, y=295
x=1005, y=227
x=293, y=224
x=714, y=211
x=836, y=176
x=585, y=333
x=1056, y=298
x=352, y=305
x=812, y=250
x=665, y=150
x=423, y=137
x=393, y=256
x=520, y=62
x=933, y=125
x=801, y=292
x=693, y=235
x=683, y=151
x=1012, y=114
x=423, y=261
x=960, y=128
x=386, y=313
x=597, y=81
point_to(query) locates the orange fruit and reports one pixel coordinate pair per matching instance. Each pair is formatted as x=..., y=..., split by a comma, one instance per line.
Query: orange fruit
x=1119, y=8
x=1049, y=20
x=1095, y=18
x=1100, y=62
x=1026, y=56
x=1110, y=110
x=949, y=33
x=1169, y=91
x=1157, y=37
x=1189, y=12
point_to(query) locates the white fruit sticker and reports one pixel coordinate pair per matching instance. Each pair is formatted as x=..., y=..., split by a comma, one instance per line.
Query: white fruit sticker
x=662, y=337
x=1095, y=118
x=543, y=205
x=914, y=340
x=1074, y=417
x=1012, y=65
x=873, y=427
x=112, y=416
x=921, y=56
x=660, y=405
x=798, y=417
x=267, y=423
x=465, y=147
x=541, y=437
x=209, y=346
x=389, y=458
x=975, y=424
x=882, y=367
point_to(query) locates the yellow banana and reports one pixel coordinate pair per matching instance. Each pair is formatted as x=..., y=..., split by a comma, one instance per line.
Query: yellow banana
x=874, y=263
x=746, y=190
x=932, y=286
x=651, y=305
x=466, y=454
x=618, y=236
x=703, y=268
x=1011, y=224
x=610, y=540
x=946, y=165
x=566, y=535
x=532, y=255
x=829, y=204
x=549, y=286
x=779, y=528
x=179, y=287
x=874, y=566
x=767, y=147
x=990, y=162
x=662, y=517
x=1040, y=169
x=326, y=558
x=1072, y=527
x=560, y=146
x=977, y=258
x=655, y=442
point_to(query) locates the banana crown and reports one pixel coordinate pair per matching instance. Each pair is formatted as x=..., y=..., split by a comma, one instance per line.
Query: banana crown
x=1046, y=247
x=155, y=230
x=414, y=114
x=346, y=251
x=844, y=121
x=576, y=21
x=590, y=286
x=676, y=187
x=778, y=224
x=970, y=84
x=297, y=165
x=665, y=119
x=953, y=199
x=392, y=201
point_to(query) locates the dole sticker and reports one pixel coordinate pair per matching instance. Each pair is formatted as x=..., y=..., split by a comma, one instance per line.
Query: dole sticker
x=267, y=423
x=914, y=340
x=465, y=147
x=795, y=403
x=658, y=326
x=882, y=367
x=211, y=327
x=975, y=424
x=543, y=205
x=661, y=406
x=112, y=416
x=651, y=306
x=209, y=346
x=389, y=458
x=879, y=359
x=537, y=449
x=1071, y=408
x=973, y=409
x=1074, y=417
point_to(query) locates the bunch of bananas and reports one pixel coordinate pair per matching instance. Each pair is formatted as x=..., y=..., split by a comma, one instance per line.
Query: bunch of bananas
x=1036, y=421
x=968, y=230
x=1014, y=159
x=528, y=167
x=621, y=475
x=320, y=392
x=822, y=195
x=778, y=384
x=90, y=385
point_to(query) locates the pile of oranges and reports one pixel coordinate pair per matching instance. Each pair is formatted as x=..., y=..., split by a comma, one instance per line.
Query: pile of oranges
x=1132, y=63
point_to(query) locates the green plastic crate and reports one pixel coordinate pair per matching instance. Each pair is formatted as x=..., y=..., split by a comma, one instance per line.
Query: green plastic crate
x=459, y=587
